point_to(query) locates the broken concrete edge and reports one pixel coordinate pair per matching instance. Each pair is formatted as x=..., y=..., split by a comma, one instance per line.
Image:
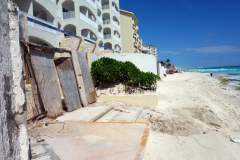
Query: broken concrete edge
x=141, y=152
x=101, y=114
x=143, y=100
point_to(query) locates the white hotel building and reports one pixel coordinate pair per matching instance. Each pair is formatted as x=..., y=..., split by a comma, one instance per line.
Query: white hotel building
x=96, y=20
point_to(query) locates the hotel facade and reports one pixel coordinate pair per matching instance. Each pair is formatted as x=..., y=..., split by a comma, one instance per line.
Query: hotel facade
x=95, y=20
x=131, y=41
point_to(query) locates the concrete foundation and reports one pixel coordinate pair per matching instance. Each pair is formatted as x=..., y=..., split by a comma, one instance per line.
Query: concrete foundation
x=88, y=114
x=143, y=100
x=93, y=141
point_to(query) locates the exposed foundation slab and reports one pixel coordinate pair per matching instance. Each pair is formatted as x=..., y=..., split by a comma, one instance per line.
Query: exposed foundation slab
x=97, y=141
x=88, y=114
x=127, y=116
x=143, y=100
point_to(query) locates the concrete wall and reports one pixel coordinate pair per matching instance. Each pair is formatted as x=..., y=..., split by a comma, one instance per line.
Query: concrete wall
x=14, y=144
x=161, y=70
x=146, y=63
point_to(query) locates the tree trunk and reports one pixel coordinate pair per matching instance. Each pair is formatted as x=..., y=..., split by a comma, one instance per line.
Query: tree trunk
x=14, y=143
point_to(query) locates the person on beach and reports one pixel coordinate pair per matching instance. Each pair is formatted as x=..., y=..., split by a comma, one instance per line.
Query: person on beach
x=211, y=74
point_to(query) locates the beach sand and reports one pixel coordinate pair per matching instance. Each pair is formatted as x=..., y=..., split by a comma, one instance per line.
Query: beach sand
x=197, y=118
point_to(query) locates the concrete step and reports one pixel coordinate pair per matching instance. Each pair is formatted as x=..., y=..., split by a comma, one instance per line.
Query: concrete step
x=126, y=115
x=87, y=114
x=108, y=116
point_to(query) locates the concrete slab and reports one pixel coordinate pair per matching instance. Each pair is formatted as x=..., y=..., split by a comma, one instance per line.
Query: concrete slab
x=127, y=116
x=88, y=114
x=98, y=141
x=108, y=116
x=143, y=100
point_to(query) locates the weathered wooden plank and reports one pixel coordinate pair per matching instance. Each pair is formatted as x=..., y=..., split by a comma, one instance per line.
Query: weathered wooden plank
x=87, y=78
x=39, y=109
x=78, y=73
x=68, y=83
x=46, y=77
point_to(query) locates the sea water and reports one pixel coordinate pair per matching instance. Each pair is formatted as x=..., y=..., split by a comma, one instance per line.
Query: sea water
x=230, y=73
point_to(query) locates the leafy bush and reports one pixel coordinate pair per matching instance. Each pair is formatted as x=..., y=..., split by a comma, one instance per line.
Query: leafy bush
x=107, y=70
x=223, y=80
x=237, y=88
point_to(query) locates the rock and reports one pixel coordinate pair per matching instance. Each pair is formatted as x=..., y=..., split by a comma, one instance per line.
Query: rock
x=224, y=88
x=210, y=85
x=238, y=94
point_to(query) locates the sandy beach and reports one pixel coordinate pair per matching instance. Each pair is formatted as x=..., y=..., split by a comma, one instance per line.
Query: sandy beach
x=199, y=119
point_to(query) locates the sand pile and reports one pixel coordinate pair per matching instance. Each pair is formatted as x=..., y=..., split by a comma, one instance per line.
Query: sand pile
x=197, y=119
x=173, y=125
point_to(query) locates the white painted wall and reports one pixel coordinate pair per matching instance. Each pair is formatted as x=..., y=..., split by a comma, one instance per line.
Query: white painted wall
x=161, y=70
x=145, y=62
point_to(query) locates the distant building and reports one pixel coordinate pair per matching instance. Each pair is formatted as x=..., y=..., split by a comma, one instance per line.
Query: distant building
x=149, y=49
x=96, y=20
x=131, y=42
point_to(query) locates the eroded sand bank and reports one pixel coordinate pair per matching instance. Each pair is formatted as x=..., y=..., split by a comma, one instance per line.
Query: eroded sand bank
x=197, y=118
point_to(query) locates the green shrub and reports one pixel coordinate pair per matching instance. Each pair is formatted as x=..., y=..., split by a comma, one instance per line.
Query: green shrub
x=223, y=80
x=107, y=70
x=237, y=88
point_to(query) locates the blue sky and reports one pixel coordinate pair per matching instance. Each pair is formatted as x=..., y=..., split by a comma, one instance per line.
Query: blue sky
x=190, y=33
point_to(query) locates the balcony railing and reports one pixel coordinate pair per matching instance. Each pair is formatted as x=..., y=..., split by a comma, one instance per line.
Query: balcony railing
x=100, y=19
x=107, y=36
x=117, y=13
x=99, y=4
x=117, y=1
x=100, y=34
x=91, y=3
x=88, y=20
x=38, y=26
x=107, y=21
x=118, y=39
x=105, y=7
x=115, y=24
x=69, y=15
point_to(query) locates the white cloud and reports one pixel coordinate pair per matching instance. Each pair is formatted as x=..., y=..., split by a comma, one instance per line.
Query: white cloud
x=215, y=49
x=168, y=52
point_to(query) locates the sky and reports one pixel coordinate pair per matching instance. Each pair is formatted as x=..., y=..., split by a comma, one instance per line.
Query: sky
x=191, y=33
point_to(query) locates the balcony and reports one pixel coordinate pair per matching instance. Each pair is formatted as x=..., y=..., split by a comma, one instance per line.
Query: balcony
x=38, y=26
x=88, y=20
x=100, y=35
x=117, y=39
x=99, y=4
x=107, y=36
x=117, y=13
x=51, y=1
x=91, y=3
x=100, y=19
x=69, y=15
x=106, y=21
x=117, y=1
x=115, y=24
x=104, y=7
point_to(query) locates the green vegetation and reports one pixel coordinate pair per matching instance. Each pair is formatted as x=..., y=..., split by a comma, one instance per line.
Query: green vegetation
x=166, y=63
x=237, y=88
x=108, y=70
x=223, y=80
x=225, y=83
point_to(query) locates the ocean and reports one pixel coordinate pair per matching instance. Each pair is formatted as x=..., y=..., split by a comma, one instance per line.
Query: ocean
x=230, y=73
